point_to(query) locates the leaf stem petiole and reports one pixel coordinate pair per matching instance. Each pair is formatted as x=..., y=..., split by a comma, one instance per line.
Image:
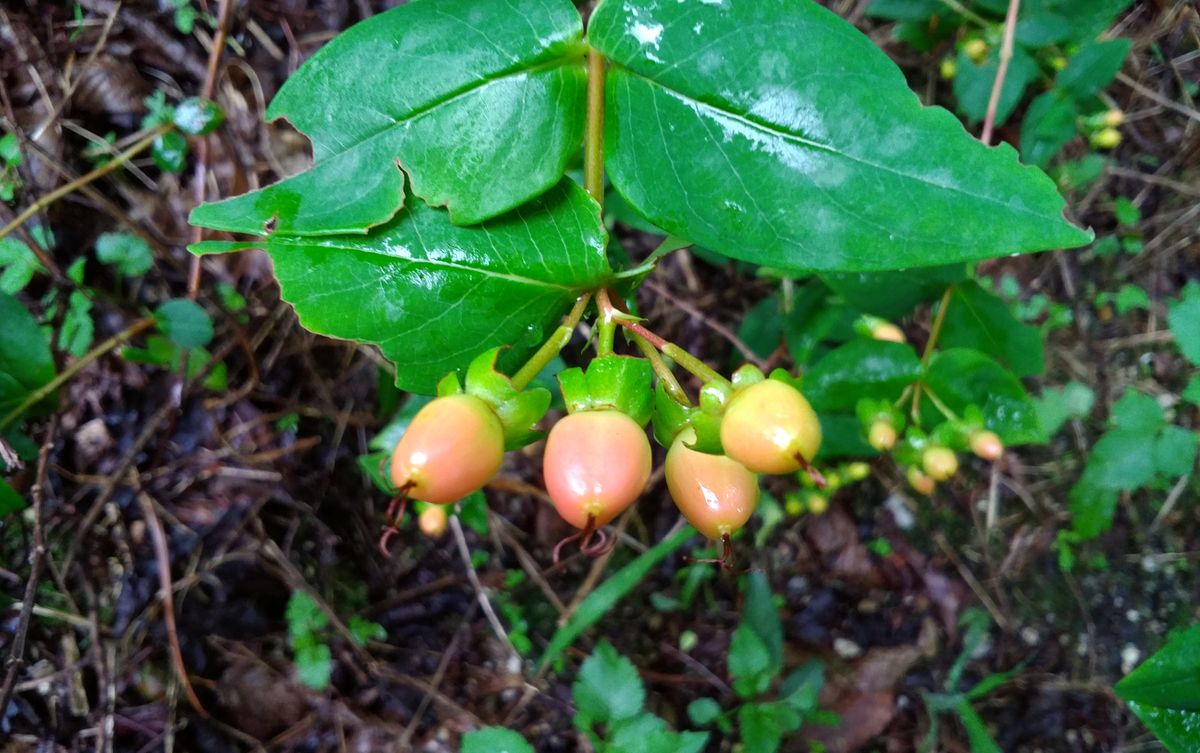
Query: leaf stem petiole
x=553, y=345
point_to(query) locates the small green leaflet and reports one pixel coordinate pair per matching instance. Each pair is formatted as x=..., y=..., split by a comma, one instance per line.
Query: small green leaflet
x=433, y=294
x=480, y=102
x=25, y=360
x=774, y=132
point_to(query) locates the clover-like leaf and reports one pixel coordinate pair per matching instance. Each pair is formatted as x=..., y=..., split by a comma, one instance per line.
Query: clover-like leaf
x=433, y=294
x=479, y=101
x=773, y=131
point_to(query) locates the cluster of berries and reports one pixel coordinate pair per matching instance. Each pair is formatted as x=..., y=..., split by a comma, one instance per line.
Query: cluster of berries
x=597, y=459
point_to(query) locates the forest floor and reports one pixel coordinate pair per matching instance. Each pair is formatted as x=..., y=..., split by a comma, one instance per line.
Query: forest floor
x=257, y=492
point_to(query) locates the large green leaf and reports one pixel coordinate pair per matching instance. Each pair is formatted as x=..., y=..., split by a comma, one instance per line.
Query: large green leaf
x=1169, y=678
x=892, y=294
x=973, y=84
x=773, y=131
x=1177, y=729
x=961, y=377
x=432, y=294
x=25, y=360
x=480, y=102
x=862, y=368
x=977, y=319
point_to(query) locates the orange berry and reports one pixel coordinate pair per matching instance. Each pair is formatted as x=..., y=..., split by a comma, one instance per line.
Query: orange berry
x=767, y=425
x=596, y=464
x=882, y=436
x=986, y=445
x=888, y=331
x=920, y=482
x=715, y=493
x=453, y=447
x=432, y=521
x=939, y=462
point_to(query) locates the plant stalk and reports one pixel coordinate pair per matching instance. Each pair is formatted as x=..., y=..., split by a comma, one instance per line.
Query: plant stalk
x=663, y=372
x=593, y=148
x=553, y=346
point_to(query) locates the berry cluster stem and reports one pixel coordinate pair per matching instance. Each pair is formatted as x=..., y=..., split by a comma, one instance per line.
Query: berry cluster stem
x=593, y=154
x=553, y=345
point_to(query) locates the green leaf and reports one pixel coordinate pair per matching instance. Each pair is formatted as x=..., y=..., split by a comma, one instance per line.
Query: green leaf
x=1136, y=413
x=977, y=319
x=760, y=731
x=78, y=330
x=363, y=630
x=1041, y=27
x=608, y=688
x=26, y=364
x=1175, y=451
x=905, y=10
x=127, y=252
x=762, y=327
x=10, y=501
x=432, y=294
x=978, y=736
x=1056, y=406
x=1191, y=392
x=961, y=377
x=973, y=84
x=801, y=169
x=1093, y=67
x=759, y=614
x=170, y=152
x=604, y=598
x=1122, y=461
x=1183, y=317
x=314, y=666
x=893, y=294
x=1126, y=212
x=862, y=368
x=703, y=711
x=1177, y=729
x=494, y=740
x=481, y=104
x=184, y=323
x=19, y=264
x=749, y=662
x=304, y=615
x=1048, y=125
x=1170, y=678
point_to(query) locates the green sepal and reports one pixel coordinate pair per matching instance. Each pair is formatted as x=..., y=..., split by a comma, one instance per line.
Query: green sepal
x=746, y=375
x=952, y=434
x=670, y=418
x=909, y=450
x=621, y=383
x=714, y=396
x=518, y=410
x=783, y=375
x=449, y=385
x=870, y=410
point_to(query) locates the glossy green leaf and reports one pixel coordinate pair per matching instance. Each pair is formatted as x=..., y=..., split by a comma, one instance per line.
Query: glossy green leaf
x=78, y=330
x=1093, y=67
x=1169, y=678
x=861, y=368
x=432, y=294
x=1183, y=318
x=759, y=730
x=961, y=377
x=760, y=615
x=1048, y=125
x=480, y=102
x=1177, y=729
x=608, y=688
x=774, y=132
x=977, y=319
x=978, y=736
x=893, y=294
x=604, y=598
x=25, y=361
x=973, y=84
x=905, y=10
x=170, y=152
x=842, y=437
x=495, y=740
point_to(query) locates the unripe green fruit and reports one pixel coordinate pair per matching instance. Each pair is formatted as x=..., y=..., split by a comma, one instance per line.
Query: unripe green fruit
x=977, y=50
x=818, y=504
x=715, y=493
x=939, y=462
x=767, y=425
x=1106, y=138
x=453, y=447
x=432, y=521
x=949, y=68
x=882, y=436
x=888, y=331
x=920, y=482
x=986, y=445
x=596, y=464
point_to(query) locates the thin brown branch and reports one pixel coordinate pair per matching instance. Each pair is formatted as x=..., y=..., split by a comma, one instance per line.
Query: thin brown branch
x=1006, y=53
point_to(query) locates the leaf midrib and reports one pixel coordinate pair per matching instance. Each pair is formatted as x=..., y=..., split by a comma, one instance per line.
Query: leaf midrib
x=774, y=130
x=276, y=242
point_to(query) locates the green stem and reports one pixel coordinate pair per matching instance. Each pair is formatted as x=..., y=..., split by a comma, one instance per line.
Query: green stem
x=593, y=146
x=663, y=372
x=39, y=395
x=703, y=371
x=937, y=403
x=84, y=180
x=553, y=346
x=935, y=334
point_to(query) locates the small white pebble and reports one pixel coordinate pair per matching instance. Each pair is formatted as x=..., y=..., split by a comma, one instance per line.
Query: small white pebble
x=847, y=649
x=1149, y=564
x=903, y=516
x=1133, y=615
x=1129, y=658
x=1030, y=636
